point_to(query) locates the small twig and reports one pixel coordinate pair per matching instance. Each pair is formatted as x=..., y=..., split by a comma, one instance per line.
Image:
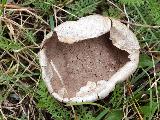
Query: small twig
x=139, y=25
x=155, y=80
x=127, y=22
x=85, y=103
x=11, y=21
x=134, y=104
x=66, y=11
x=28, y=11
x=29, y=61
x=55, y=69
x=155, y=45
x=15, y=7
x=55, y=16
x=26, y=47
x=155, y=51
x=116, y=6
x=17, y=65
x=125, y=106
x=4, y=117
x=25, y=21
x=21, y=18
x=126, y=15
x=17, y=60
x=69, y=1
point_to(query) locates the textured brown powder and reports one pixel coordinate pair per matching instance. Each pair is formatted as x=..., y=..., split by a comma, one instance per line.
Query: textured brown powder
x=89, y=60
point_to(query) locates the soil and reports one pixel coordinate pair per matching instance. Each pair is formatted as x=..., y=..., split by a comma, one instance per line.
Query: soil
x=88, y=60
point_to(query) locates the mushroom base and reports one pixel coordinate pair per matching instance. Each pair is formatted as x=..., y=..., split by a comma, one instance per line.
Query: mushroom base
x=88, y=60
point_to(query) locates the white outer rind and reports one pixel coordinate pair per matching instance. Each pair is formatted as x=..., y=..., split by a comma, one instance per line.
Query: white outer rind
x=86, y=27
x=46, y=69
x=121, y=37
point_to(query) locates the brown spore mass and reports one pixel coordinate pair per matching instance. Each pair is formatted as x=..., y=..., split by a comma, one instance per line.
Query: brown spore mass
x=88, y=60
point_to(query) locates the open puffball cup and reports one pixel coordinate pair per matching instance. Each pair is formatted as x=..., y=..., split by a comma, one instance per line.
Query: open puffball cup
x=82, y=60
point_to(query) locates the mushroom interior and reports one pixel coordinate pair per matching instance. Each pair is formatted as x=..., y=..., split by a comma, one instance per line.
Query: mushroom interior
x=88, y=60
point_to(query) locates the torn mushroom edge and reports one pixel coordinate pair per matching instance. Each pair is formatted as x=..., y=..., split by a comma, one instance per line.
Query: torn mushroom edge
x=106, y=87
x=70, y=37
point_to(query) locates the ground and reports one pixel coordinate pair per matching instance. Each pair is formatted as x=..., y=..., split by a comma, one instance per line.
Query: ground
x=23, y=94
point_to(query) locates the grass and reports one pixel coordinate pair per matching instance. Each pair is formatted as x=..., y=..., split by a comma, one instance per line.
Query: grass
x=23, y=95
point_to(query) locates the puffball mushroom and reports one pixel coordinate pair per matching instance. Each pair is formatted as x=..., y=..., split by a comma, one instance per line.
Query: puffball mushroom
x=83, y=60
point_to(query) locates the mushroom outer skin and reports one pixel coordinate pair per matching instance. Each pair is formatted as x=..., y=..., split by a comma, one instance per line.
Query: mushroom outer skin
x=91, y=27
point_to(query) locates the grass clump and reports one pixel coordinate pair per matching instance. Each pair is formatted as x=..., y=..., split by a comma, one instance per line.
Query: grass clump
x=82, y=7
x=133, y=2
x=46, y=102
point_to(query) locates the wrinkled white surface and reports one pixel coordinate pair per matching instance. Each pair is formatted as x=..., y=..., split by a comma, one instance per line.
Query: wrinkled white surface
x=123, y=38
x=91, y=92
x=86, y=27
x=46, y=69
x=90, y=27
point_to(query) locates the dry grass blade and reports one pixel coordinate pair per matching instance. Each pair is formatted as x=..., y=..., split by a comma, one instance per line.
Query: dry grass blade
x=12, y=6
x=28, y=11
x=134, y=104
x=140, y=25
